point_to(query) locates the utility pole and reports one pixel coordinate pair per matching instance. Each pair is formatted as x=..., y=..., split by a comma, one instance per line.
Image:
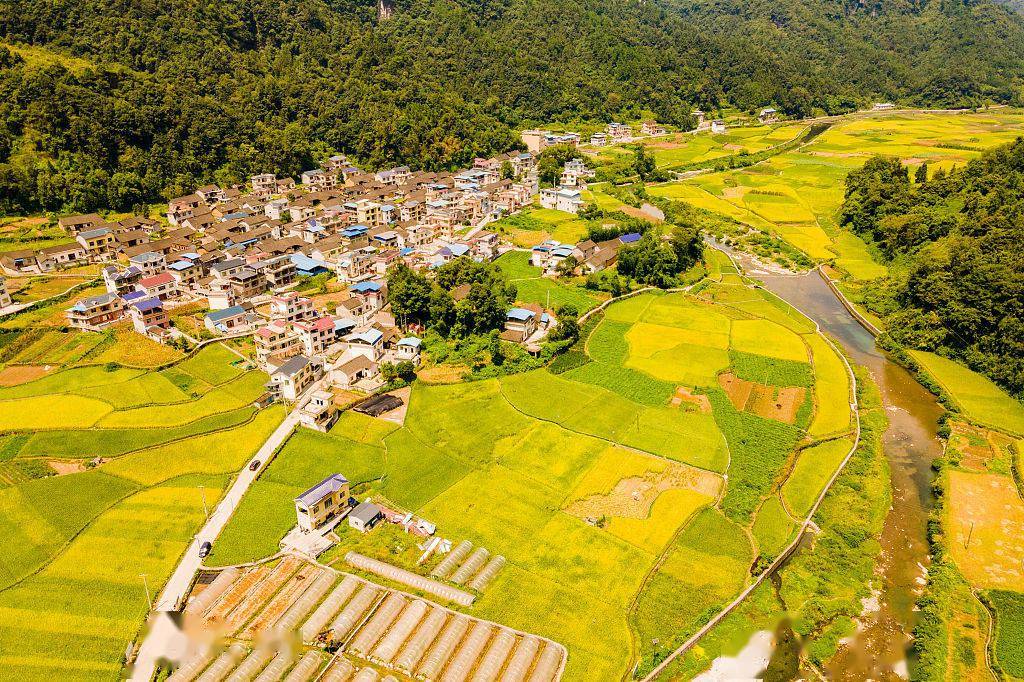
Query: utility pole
x=969, y=536
x=145, y=584
x=206, y=510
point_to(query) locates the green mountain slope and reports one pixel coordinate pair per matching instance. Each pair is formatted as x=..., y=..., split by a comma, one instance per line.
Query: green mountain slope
x=186, y=91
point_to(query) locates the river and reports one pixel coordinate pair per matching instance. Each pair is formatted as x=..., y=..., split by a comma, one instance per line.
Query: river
x=879, y=650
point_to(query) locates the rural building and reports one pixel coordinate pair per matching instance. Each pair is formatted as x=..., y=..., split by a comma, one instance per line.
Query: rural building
x=520, y=324
x=163, y=286
x=768, y=115
x=717, y=127
x=322, y=503
x=228, y=320
x=73, y=224
x=408, y=349
x=365, y=516
x=319, y=413
x=292, y=378
x=651, y=128
x=5, y=296
x=149, y=316
x=97, y=242
x=96, y=311
x=561, y=199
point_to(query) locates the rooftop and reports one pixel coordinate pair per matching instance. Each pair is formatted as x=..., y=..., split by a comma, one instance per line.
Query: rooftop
x=328, y=486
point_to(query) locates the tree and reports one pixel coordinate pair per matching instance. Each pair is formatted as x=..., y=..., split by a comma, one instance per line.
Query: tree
x=410, y=294
x=507, y=171
x=643, y=163
x=568, y=328
x=406, y=370
x=921, y=174
x=649, y=261
x=388, y=372
x=567, y=267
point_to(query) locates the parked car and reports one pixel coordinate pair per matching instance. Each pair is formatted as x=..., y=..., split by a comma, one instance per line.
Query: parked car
x=204, y=549
x=255, y=465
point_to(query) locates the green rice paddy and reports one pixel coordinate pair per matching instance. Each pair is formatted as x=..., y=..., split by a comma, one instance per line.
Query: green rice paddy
x=74, y=545
x=502, y=463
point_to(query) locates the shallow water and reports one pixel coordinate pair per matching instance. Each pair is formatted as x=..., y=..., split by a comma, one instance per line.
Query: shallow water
x=879, y=650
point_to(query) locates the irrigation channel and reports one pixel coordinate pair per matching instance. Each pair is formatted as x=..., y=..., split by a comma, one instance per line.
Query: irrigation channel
x=880, y=648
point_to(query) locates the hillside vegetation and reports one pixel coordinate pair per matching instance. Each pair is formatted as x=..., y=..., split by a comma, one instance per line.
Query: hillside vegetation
x=186, y=92
x=956, y=238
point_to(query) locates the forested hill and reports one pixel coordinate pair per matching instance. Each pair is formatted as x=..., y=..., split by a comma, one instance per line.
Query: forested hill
x=157, y=97
x=957, y=239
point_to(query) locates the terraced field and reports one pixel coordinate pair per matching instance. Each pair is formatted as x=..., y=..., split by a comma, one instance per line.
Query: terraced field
x=75, y=545
x=604, y=487
x=795, y=195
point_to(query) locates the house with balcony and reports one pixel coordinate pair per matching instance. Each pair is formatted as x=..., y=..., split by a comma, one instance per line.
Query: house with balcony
x=96, y=312
x=292, y=378
x=149, y=317
x=328, y=500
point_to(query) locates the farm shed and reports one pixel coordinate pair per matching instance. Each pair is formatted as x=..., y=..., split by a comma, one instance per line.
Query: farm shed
x=482, y=579
x=205, y=599
x=365, y=516
x=417, y=645
x=252, y=665
x=340, y=670
x=306, y=668
x=409, y=578
x=490, y=664
x=323, y=614
x=378, y=405
x=449, y=563
x=353, y=613
x=461, y=664
x=521, y=660
x=473, y=564
x=443, y=647
x=379, y=623
x=388, y=647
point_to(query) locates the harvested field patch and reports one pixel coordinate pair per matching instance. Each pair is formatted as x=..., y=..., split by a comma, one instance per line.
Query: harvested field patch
x=13, y=375
x=634, y=496
x=770, y=402
x=685, y=395
x=442, y=374
x=985, y=518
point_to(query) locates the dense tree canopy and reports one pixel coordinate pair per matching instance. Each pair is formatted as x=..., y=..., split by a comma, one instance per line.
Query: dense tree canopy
x=956, y=240
x=143, y=100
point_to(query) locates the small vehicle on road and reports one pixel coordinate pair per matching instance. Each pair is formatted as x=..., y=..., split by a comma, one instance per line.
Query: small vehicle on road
x=255, y=465
x=204, y=549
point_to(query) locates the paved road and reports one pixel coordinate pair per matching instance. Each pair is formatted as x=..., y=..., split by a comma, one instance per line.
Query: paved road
x=160, y=638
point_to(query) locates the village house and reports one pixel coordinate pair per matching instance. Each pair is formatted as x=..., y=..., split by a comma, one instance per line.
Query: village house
x=408, y=348
x=353, y=369
x=149, y=263
x=185, y=272
x=120, y=281
x=73, y=224
x=62, y=255
x=96, y=312
x=698, y=115
x=651, y=128
x=219, y=294
x=321, y=504
x=520, y=324
x=599, y=139
x=275, y=340
x=291, y=379
x=5, y=296
x=717, y=127
x=228, y=320
x=149, y=317
x=316, y=335
x=291, y=307
x=365, y=516
x=368, y=343
x=568, y=200
x=184, y=207
x=768, y=115
x=319, y=413
x=163, y=286
x=97, y=242
x=619, y=131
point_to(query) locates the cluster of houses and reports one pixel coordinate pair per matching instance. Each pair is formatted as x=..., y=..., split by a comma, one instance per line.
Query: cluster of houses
x=568, y=195
x=589, y=256
x=614, y=133
x=243, y=249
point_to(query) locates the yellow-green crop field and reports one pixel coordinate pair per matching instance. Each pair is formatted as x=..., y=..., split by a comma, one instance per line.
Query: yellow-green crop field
x=796, y=194
x=977, y=396
x=74, y=545
x=679, y=149
x=625, y=515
